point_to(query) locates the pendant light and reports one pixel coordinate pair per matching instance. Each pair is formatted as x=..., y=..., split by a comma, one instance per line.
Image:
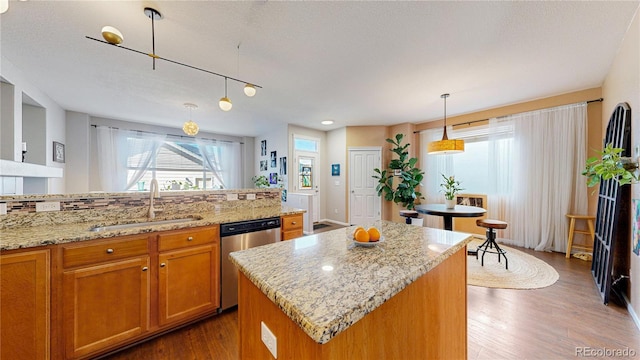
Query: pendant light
x=445, y=146
x=4, y=6
x=225, y=104
x=249, y=90
x=190, y=128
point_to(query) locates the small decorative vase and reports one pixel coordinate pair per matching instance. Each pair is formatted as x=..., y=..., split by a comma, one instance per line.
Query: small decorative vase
x=451, y=204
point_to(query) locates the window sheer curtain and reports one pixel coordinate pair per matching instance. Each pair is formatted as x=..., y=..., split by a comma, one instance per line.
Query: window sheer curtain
x=549, y=154
x=223, y=159
x=119, y=150
x=535, y=161
x=433, y=166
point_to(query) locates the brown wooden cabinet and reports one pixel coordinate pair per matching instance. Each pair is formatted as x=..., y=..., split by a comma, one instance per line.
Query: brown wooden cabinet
x=24, y=304
x=291, y=226
x=188, y=275
x=122, y=290
x=105, y=293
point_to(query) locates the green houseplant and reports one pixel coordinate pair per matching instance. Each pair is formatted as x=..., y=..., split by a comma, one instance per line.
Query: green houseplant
x=260, y=181
x=450, y=187
x=410, y=176
x=610, y=165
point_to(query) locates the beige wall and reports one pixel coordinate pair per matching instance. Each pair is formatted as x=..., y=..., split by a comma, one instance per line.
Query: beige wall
x=622, y=84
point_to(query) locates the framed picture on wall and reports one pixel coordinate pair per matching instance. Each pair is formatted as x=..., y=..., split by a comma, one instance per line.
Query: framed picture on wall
x=273, y=178
x=283, y=165
x=274, y=159
x=264, y=165
x=58, y=152
x=263, y=148
x=335, y=169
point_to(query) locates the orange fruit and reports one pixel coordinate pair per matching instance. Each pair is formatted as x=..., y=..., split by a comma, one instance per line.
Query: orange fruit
x=374, y=234
x=361, y=235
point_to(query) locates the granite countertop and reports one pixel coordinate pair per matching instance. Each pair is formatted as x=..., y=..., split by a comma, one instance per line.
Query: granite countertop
x=325, y=283
x=34, y=236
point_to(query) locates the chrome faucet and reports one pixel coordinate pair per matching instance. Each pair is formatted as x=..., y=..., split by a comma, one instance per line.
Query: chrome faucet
x=153, y=193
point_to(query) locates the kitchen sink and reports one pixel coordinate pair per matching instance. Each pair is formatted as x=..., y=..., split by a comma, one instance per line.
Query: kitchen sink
x=142, y=224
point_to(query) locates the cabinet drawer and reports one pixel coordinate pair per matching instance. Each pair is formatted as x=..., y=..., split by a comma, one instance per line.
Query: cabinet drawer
x=188, y=237
x=291, y=234
x=292, y=222
x=103, y=250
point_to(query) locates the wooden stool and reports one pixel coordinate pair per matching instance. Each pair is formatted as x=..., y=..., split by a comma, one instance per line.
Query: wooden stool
x=572, y=231
x=491, y=243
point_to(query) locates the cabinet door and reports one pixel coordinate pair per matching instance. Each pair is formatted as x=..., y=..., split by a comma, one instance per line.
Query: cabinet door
x=24, y=305
x=291, y=226
x=105, y=305
x=188, y=282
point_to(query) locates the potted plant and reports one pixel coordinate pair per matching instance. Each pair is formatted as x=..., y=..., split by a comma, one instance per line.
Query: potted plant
x=450, y=187
x=610, y=165
x=409, y=176
x=260, y=181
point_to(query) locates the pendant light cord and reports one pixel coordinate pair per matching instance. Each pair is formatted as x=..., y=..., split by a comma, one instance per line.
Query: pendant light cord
x=444, y=135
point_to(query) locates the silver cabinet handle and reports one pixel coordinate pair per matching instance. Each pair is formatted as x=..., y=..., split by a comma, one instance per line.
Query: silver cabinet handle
x=293, y=223
x=109, y=251
x=163, y=265
x=145, y=268
x=190, y=238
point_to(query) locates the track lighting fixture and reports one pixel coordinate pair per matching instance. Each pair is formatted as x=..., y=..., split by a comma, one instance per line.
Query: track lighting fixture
x=113, y=36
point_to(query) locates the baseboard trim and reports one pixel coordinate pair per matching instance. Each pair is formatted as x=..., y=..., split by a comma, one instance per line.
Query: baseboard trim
x=335, y=222
x=631, y=311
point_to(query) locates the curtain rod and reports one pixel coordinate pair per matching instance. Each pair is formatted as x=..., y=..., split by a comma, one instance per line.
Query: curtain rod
x=178, y=136
x=479, y=120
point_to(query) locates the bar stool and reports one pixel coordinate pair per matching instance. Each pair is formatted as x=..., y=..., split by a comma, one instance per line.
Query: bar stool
x=491, y=243
x=572, y=231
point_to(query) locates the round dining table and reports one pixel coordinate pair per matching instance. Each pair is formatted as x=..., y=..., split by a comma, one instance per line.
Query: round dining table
x=449, y=214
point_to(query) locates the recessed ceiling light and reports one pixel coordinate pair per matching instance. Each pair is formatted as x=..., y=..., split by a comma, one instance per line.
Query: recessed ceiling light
x=327, y=122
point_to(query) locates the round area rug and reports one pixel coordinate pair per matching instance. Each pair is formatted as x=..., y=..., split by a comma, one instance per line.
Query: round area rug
x=525, y=271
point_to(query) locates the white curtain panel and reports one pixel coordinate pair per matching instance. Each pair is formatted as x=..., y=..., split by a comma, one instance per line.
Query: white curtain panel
x=112, y=164
x=120, y=149
x=433, y=166
x=222, y=158
x=549, y=154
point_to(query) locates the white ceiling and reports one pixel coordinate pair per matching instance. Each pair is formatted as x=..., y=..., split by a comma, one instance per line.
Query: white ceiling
x=357, y=63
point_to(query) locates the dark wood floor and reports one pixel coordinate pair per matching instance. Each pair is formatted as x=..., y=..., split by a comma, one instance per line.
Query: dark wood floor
x=549, y=323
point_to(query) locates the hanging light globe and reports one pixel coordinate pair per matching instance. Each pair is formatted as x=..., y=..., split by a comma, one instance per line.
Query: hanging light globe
x=225, y=104
x=190, y=128
x=249, y=90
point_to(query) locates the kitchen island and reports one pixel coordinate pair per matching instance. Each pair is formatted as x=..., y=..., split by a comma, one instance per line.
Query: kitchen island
x=322, y=297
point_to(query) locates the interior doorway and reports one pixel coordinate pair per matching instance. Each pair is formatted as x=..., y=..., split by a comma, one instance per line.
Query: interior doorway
x=364, y=202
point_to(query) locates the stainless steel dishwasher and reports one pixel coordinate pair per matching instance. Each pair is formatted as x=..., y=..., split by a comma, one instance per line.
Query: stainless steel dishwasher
x=238, y=236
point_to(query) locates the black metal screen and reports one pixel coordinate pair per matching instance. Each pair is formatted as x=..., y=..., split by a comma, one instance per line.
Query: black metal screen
x=612, y=218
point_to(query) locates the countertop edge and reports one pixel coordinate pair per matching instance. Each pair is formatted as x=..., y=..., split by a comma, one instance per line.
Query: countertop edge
x=77, y=232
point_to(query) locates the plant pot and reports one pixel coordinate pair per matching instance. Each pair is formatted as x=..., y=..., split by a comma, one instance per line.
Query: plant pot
x=450, y=203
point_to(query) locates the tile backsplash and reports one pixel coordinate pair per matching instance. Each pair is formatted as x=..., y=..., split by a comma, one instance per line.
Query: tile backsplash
x=21, y=210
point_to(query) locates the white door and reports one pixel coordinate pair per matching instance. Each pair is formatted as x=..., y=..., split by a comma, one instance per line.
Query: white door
x=307, y=182
x=364, y=202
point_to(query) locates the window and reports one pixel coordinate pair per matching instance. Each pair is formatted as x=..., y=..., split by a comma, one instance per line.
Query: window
x=473, y=168
x=302, y=144
x=128, y=160
x=178, y=165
